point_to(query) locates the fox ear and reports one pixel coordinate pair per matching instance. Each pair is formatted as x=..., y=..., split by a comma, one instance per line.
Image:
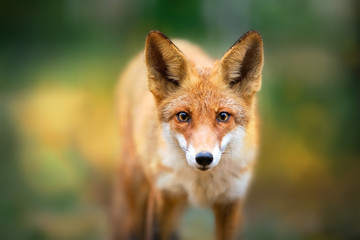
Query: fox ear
x=241, y=66
x=165, y=63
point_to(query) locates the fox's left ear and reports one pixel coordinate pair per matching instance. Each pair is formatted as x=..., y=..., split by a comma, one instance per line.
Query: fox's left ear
x=241, y=66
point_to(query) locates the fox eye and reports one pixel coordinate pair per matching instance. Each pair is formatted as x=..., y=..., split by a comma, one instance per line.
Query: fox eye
x=223, y=117
x=183, y=117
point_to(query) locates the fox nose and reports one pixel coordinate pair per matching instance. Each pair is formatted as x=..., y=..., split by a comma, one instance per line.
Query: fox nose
x=204, y=158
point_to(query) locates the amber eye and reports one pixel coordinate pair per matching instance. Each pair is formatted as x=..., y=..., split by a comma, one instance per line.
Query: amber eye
x=183, y=117
x=223, y=116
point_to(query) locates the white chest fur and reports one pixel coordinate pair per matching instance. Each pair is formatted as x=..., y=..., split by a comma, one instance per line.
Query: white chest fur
x=203, y=188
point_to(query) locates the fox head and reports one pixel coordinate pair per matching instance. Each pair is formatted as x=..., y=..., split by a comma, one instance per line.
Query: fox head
x=204, y=110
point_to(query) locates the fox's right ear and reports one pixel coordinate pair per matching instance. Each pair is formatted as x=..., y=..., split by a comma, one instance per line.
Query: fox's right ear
x=165, y=64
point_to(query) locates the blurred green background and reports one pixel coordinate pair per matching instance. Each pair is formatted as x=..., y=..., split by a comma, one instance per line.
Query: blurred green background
x=59, y=64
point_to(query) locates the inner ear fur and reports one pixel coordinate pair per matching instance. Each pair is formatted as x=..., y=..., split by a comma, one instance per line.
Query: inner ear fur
x=165, y=63
x=242, y=64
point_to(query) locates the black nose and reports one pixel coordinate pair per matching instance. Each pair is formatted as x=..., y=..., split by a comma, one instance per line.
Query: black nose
x=204, y=158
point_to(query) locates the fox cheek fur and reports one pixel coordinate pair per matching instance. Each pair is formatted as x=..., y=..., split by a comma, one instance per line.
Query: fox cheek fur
x=189, y=135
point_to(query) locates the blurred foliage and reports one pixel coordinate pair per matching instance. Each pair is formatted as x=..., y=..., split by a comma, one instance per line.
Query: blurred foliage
x=59, y=63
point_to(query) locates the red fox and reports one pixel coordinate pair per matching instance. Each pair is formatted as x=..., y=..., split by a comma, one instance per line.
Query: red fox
x=189, y=135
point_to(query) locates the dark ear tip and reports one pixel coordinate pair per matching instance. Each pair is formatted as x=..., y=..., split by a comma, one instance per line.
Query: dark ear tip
x=253, y=35
x=153, y=32
x=156, y=34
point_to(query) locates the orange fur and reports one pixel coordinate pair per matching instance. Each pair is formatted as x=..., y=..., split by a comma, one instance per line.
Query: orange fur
x=158, y=151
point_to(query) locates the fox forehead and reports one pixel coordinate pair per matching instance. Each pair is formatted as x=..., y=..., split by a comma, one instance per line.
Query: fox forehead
x=202, y=100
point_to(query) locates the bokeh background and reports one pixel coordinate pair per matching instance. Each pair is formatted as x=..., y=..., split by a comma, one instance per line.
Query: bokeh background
x=59, y=64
